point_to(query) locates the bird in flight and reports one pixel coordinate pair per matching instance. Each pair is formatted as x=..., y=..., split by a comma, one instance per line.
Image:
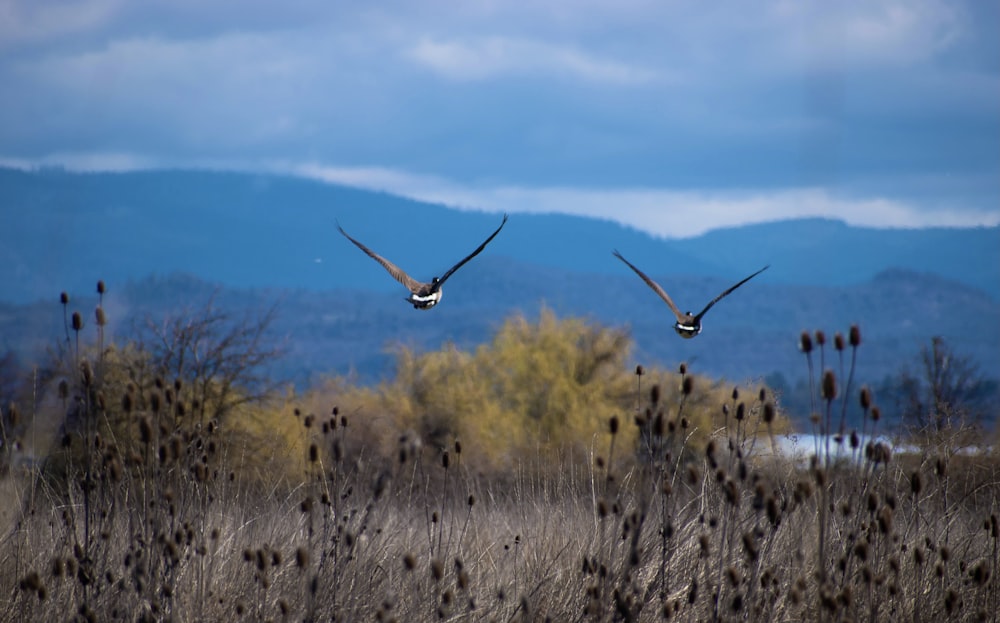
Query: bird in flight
x=688, y=325
x=422, y=295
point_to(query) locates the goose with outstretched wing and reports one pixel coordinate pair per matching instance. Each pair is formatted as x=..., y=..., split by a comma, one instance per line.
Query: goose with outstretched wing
x=422, y=295
x=688, y=325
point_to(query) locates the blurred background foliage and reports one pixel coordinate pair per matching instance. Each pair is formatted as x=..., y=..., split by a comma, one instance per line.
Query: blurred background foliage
x=197, y=384
x=537, y=388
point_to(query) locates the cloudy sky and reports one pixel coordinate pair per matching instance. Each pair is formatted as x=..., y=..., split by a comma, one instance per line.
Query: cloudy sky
x=675, y=116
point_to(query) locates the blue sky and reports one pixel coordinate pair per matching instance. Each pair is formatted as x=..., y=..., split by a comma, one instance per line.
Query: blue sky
x=671, y=116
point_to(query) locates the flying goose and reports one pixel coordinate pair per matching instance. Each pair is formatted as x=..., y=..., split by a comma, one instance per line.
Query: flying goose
x=422, y=295
x=687, y=325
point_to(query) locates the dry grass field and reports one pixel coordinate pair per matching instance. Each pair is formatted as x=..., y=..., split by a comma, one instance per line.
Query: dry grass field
x=145, y=511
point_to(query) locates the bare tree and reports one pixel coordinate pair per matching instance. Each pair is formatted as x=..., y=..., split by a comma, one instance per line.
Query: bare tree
x=218, y=360
x=947, y=391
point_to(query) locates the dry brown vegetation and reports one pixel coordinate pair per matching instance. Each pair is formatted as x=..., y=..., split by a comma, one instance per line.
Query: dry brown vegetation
x=652, y=496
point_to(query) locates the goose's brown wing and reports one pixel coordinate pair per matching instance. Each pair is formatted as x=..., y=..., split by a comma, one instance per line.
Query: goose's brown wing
x=655, y=286
x=471, y=255
x=726, y=293
x=397, y=273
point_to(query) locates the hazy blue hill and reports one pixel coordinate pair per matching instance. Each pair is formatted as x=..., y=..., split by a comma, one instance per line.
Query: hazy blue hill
x=751, y=335
x=825, y=251
x=255, y=230
x=245, y=230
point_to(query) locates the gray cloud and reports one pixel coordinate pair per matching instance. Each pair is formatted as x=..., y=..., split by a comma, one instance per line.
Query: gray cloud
x=890, y=102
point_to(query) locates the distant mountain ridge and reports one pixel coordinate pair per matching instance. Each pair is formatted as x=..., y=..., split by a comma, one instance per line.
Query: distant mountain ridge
x=247, y=230
x=166, y=241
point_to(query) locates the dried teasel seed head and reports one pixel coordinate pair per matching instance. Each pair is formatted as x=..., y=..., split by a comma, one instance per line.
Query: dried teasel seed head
x=687, y=385
x=741, y=411
x=99, y=316
x=736, y=393
x=704, y=545
x=145, y=430
x=861, y=550
x=639, y=371
x=916, y=483
x=805, y=342
x=866, y=398
x=100, y=287
x=659, y=424
x=77, y=321
x=768, y=412
x=613, y=424
x=885, y=520
x=693, y=475
x=876, y=414
x=301, y=557
x=838, y=341
x=762, y=394
x=409, y=562
x=820, y=337
x=654, y=394
x=734, y=576
x=87, y=373
x=854, y=336
x=829, y=386
x=941, y=467
x=683, y=369
x=64, y=298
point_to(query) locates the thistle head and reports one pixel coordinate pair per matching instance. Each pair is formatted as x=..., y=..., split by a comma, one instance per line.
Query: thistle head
x=866, y=398
x=805, y=342
x=829, y=386
x=769, y=412
x=854, y=336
